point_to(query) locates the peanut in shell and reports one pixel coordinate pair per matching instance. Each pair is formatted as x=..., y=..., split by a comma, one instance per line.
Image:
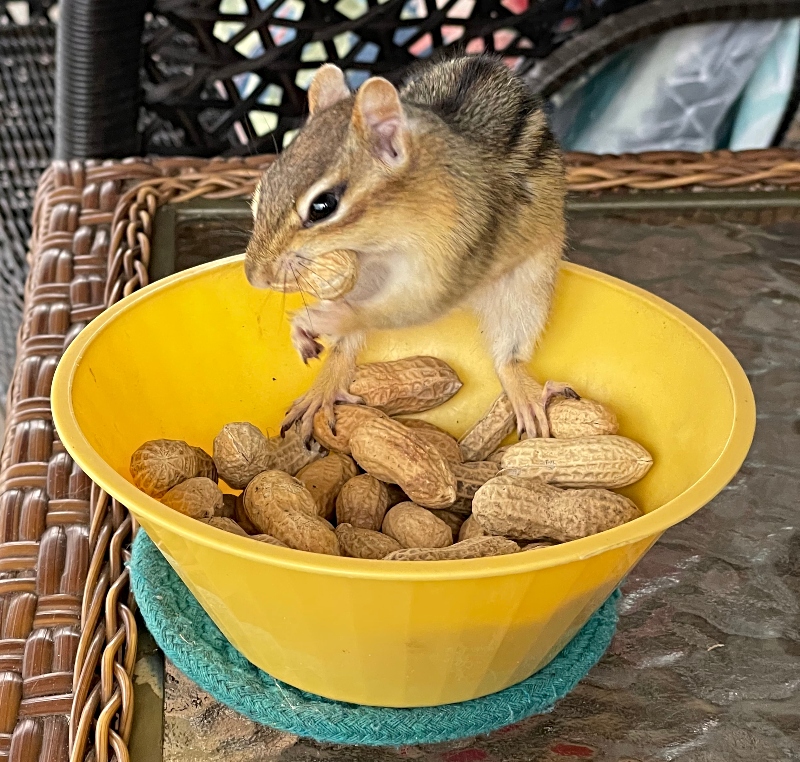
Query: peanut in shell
x=327, y=276
x=240, y=452
x=471, y=528
x=362, y=502
x=415, y=527
x=570, y=418
x=280, y=506
x=435, y=437
x=198, y=498
x=357, y=542
x=268, y=539
x=348, y=418
x=392, y=453
x=410, y=385
x=158, y=465
x=529, y=509
x=226, y=525
x=473, y=475
x=206, y=467
x=608, y=461
x=290, y=454
x=324, y=478
x=489, y=431
x=276, y=488
x=476, y=547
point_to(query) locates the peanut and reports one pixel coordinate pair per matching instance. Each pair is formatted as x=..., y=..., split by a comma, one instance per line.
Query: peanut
x=471, y=476
x=362, y=503
x=529, y=509
x=414, y=527
x=348, y=418
x=326, y=276
x=477, y=547
x=269, y=540
x=198, y=498
x=324, y=478
x=435, y=437
x=226, y=525
x=410, y=385
x=240, y=452
x=206, y=462
x=570, y=418
x=357, y=542
x=471, y=528
x=276, y=488
x=390, y=452
x=290, y=454
x=157, y=466
x=608, y=461
x=487, y=433
x=278, y=505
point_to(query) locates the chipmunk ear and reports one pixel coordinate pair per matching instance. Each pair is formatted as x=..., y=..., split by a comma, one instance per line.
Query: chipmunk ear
x=326, y=88
x=379, y=119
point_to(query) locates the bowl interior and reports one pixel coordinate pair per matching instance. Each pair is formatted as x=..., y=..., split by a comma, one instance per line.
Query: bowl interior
x=202, y=348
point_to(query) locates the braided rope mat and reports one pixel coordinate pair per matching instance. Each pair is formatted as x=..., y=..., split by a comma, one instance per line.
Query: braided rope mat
x=67, y=630
x=195, y=645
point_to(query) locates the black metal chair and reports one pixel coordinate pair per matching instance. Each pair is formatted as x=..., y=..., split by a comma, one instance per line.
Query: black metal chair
x=221, y=77
x=27, y=67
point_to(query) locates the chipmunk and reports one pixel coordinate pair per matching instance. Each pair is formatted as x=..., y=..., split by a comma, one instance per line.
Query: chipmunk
x=451, y=194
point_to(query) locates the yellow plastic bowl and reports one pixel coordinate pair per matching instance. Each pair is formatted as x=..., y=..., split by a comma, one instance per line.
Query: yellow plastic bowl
x=202, y=348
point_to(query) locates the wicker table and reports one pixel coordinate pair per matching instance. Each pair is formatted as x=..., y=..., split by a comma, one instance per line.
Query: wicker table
x=705, y=663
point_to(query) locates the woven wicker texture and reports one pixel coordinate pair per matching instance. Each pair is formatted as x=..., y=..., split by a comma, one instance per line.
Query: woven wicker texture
x=26, y=143
x=67, y=634
x=195, y=645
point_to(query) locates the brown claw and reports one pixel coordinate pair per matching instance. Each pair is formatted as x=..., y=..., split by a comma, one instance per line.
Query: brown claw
x=557, y=389
x=345, y=398
x=543, y=425
x=533, y=421
x=306, y=434
x=286, y=425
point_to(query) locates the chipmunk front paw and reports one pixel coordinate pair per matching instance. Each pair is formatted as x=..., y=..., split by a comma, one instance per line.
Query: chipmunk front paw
x=316, y=399
x=531, y=411
x=306, y=343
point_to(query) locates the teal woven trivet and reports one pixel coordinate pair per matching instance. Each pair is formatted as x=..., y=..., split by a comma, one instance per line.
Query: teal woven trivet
x=195, y=645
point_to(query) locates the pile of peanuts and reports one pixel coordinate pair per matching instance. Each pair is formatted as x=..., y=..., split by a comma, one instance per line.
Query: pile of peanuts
x=382, y=485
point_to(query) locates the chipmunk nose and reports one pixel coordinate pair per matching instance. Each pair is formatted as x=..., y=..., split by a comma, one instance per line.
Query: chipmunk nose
x=270, y=273
x=254, y=274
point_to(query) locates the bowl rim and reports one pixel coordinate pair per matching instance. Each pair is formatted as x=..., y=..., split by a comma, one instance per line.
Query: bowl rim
x=648, y=526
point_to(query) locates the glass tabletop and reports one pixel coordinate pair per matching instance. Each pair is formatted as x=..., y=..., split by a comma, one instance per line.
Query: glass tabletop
x=705, y=666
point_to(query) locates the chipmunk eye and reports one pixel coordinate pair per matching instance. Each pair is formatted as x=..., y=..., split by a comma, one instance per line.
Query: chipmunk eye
x=322, y=206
